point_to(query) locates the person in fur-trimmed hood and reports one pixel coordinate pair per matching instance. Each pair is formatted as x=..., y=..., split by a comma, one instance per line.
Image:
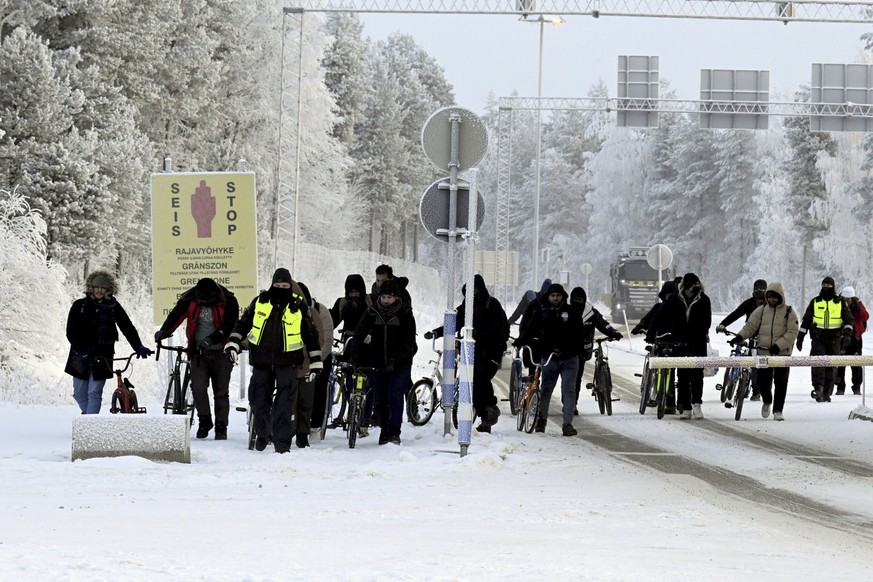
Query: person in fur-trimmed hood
x=775, y=324
x=92, y=330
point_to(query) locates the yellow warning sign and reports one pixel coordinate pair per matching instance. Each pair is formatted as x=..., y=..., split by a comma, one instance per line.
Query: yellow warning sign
x=203, y=225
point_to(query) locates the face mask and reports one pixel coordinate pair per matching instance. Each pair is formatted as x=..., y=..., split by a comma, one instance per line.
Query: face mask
x=279, y=295
x=827, y=292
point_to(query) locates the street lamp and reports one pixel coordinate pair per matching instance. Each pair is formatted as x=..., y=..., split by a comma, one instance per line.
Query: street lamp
x=542, y=20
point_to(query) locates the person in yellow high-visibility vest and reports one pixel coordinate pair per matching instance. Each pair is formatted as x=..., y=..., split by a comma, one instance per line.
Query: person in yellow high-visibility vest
x=830, y=324
x=278, y=328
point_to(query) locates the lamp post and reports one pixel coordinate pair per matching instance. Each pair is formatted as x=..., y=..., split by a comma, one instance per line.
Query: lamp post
x=542, y=20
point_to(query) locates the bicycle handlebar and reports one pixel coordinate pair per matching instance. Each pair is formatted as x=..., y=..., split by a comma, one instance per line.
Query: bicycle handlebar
x=169, y=348
x=126, y=366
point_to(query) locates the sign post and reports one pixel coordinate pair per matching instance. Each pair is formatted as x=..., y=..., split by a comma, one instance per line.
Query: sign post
x=454, y=139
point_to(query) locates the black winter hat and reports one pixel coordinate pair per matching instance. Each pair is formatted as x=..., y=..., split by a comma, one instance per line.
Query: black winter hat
x=557, y=288
x=282, y=275
x=578, y=293
x=206, y=290
x=390, y=287
x=689, y=279
x=828, y=281
x=760, y=284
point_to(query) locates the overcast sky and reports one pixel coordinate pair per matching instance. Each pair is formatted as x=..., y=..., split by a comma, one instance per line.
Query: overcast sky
x=482, y=53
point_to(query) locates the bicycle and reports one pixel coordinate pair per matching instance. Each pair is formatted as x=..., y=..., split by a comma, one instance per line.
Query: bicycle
x=647, y=384
x=738, y=380
x=335, y=405
x=528, y=398
x=665, y=380
x=601, y=387
x=178, y=399
x=515, y=375
x=425, y=397
x=360, y=391
x=124, y=397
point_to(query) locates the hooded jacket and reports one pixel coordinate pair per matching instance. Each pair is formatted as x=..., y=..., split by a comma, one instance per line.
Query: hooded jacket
x=555, y=329
x=773, y=325
x=385, y=336
x=591, y=319
x=686, y=319
x=92, y=330
x=349, y=311
x=490, y=327
x=537, y=303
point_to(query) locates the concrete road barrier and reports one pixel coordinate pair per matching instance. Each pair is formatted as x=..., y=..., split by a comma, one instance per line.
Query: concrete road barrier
x=158, y=437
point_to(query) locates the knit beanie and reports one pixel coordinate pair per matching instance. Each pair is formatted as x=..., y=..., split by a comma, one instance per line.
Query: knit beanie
x=282, y=276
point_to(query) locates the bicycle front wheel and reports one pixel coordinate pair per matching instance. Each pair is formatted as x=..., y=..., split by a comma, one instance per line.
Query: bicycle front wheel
x=118, y=404
x=519, y=405
x=354, y=421
x=598, y=390
x=645, y=387
x=742, y=391
x=171, y=390
x=662, y=394
x=532, y=412
x=250, y=423
x=514, y=385
x=606, y=389
x=421, y=402
x=724, y=384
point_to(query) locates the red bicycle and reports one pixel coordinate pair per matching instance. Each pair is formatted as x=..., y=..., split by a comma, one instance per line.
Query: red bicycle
x=124, y=397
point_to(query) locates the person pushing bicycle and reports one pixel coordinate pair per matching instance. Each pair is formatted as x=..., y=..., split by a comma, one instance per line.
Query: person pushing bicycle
x=210, y=311
x=591, y=319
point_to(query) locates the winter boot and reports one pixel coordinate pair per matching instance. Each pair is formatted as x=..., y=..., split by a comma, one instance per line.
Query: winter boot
x=302, y=440
x=756, y=396
x=220, y=432
x=568, y=430
x=492, y=413
x=204, y=425
x=856, y=390
x=841, y=389
x=483, y=427
x=261, y=443
x=540, y=425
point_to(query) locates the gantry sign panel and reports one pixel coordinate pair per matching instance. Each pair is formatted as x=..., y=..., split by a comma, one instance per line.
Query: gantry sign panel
x=846, y=85
x=734, y=99
x=638, y=91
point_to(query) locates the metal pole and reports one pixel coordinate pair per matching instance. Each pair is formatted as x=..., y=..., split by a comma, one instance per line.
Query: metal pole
x=297, y=157
x=465, y=398
x=536, y=242
x=449, y=319
x=274, y=227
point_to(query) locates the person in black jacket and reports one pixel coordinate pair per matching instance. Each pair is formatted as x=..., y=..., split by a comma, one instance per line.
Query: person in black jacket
x=349, y=308
x=687, y=316
x=591, y=319
x=278, y=328
x=556, y=330
x=668, y=290
x=490, y=332
x=745, y=309
x=92, y=330
x=386, y=273
x=211, y=311
x=385, y=339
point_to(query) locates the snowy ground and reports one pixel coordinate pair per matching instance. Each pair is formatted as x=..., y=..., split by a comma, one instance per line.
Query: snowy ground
x=516, y=507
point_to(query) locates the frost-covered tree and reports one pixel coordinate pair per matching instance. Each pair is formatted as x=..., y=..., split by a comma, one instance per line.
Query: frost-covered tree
x=345, y=73
x=26, y=273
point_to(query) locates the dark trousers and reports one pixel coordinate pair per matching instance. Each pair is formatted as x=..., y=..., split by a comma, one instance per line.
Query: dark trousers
x=826, y=344
x=689, y=385
x=274, y=414
x=854, y=349
x=484, y=370
x=391, y=388
x=214, y=368
x=766, y=377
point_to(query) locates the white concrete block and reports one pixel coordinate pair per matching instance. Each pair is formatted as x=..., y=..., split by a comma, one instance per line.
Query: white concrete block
x=156, y=437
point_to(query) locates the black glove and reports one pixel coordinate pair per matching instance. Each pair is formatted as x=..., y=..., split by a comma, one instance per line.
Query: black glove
x=637, y=330
x=428, y=335
x=203, y=345
x=736, y=340
x=800, y=337
x=720, y=328
x=846, y=340
x=161, y=334
x=615, y=336
x=774, y=350
x=142, y=352
x=312, y=376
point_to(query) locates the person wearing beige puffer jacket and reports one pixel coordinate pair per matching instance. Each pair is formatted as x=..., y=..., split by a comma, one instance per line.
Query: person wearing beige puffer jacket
x=775, y=323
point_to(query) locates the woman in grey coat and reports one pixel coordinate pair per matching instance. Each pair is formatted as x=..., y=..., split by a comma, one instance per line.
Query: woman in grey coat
x=776, y=326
